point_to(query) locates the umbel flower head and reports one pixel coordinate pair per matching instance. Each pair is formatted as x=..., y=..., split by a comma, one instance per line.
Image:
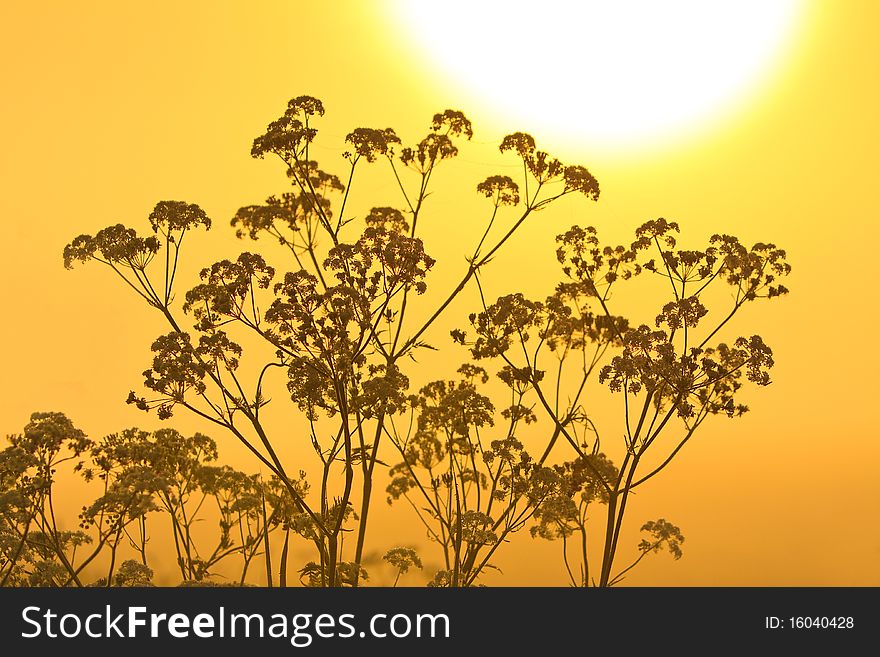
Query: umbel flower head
x=403, y=558
x=288, y=135
x=501, y=189
x=454, y=122
x=115, y=245
x=46, y=433
x=388, y=219
x=177, y=216
x=369, y=143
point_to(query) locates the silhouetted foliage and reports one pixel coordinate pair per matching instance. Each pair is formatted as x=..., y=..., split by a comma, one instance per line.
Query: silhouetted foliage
x=474, y=465
x=140, y=474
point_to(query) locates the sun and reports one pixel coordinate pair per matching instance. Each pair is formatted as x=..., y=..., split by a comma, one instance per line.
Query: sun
x=611, y=74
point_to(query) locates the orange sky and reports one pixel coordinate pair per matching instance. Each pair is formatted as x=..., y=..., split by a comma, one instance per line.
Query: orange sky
x=111, y=107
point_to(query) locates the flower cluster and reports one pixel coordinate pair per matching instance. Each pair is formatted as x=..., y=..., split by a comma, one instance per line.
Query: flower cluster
x=662, y=533
x=438, y=144
x=129, y=495
x=176, y=370
x=322, y=334
x=648, y=360
x=383, y=393
x=388, y=219
x=756, y=271
x=454, y=122
x=585, y=260
x=453, y=408
x=578, y=179
x=658, y=230
x=314, y=575
x=569, y=324
x=519, y=379
x=521, y=143
x=682, y=313
x=546, y=169
x=539, y=163
x=309, y=174
x=305, y=106
x=428, y=152
x=133, y=574
x=370, y=143
x=710, y=376
x=403, y=559
x=177, y=216
x=45, y=435
x=511, y=315
x=476, y=528
x=115, y=245
x=381, y=262
x=290, y=209
x=588, y=477
x=556, y=518
x=288, y=135
x=501, y=189
x=226, y=291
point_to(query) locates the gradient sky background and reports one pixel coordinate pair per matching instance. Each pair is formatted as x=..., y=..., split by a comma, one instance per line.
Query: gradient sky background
x=110, y=107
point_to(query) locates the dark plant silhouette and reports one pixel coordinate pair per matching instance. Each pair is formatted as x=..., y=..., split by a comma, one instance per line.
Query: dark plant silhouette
x=477, y=459
x=469, y=492
x=140, y=474
x=36, y=551
x=671, y=377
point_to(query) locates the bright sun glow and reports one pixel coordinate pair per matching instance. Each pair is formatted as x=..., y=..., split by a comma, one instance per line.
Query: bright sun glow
x=608, y=73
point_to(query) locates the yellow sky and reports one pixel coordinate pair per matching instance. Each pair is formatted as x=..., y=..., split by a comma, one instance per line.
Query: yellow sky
x=110, y=107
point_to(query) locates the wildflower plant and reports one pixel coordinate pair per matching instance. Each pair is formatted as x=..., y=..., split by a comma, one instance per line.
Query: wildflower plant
x=141, y=475
x=671, y=375
x=336, y=325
